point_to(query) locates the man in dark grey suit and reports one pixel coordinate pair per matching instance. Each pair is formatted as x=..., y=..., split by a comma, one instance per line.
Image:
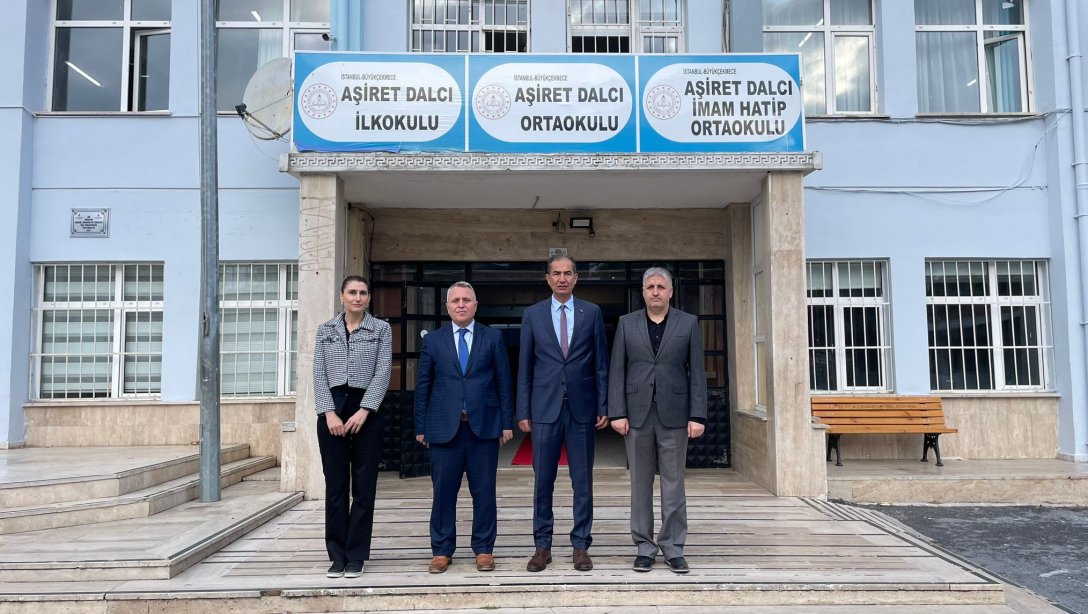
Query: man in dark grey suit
x=657, y=400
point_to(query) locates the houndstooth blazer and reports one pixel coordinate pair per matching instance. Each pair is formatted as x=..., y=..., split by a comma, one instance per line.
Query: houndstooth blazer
x=365, y=362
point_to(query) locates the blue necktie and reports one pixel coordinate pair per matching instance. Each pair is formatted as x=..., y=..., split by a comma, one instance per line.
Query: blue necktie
x=462, y=350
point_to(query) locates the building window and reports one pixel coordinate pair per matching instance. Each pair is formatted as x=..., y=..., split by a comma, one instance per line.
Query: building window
x=609, y=26
x=258, y=306
x=253, y=32
x=988, y=324
x=835, y=40
x=99, y=330
x=972, y=56
x=848, y=340
x=463, y=26
x=111, y=56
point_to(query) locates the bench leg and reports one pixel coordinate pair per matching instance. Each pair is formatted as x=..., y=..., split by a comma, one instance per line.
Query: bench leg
x=833, y=444
x=931, y=441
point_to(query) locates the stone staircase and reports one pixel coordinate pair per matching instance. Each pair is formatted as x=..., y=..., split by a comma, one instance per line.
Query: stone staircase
x=76, y=514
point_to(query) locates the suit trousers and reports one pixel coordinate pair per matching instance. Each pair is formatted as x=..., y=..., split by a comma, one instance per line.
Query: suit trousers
x=479, y=458
x=548, y=441
x=655, y=448
x=350, y=465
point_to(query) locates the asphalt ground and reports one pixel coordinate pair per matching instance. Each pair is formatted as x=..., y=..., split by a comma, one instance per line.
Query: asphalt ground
x=1044, y=549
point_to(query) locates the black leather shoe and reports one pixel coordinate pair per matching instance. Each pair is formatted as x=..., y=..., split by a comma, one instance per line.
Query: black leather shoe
x=677, y=565
x=336, y=570
x=643, y=563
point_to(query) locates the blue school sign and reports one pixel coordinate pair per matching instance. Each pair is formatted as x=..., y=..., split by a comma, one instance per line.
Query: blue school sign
x=548, y=103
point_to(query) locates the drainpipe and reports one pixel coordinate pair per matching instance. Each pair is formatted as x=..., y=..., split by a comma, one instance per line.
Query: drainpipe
x=1080, y=159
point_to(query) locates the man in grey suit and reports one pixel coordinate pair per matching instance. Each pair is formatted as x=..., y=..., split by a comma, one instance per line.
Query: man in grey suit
x=657, y=400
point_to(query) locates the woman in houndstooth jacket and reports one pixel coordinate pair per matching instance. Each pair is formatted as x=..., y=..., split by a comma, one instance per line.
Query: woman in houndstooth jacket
x=352, y=358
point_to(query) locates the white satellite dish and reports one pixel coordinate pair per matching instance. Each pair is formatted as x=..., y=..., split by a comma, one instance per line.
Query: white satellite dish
x=267, y=102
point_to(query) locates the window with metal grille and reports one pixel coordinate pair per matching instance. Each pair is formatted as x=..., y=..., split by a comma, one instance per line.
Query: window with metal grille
x=111, y=56
x=972, y=56
x=988, y=324
x=848, y=340
x=253, y=32
x=835, y=40
x=258, y=306
x=609, y=26
x=463, y=26
x=99, y=330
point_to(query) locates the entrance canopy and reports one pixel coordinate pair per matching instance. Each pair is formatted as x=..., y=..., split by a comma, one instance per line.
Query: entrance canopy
x=573, y=181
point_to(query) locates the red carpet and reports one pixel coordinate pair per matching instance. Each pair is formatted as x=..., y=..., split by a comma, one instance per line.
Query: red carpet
x=524, y=455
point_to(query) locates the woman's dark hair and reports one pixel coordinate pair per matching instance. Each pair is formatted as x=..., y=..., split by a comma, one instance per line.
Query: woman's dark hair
x=351, y=278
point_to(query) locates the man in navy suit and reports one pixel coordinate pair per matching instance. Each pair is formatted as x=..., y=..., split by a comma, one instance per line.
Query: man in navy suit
x=463, y=412
x=562, y=395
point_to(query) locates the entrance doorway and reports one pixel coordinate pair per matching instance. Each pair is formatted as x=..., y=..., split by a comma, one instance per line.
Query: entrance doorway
x=410, y=296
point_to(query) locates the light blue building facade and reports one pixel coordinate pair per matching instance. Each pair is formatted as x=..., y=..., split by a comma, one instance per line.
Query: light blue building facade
x=942, y=234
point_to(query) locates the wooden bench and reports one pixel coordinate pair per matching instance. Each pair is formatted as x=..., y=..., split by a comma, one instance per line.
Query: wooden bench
x=881, y=414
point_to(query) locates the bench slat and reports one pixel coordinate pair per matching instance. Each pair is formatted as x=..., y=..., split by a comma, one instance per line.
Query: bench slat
x=905, y=421
x=876, y=428
x=875, y=406
x=865, y=413
x=908, y=400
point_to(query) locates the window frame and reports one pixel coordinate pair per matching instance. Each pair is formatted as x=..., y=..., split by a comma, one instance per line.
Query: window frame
x=286, y=326
x=830, y=33
x=119, y=307
x=287, y=29
x=636, y=29
x=477, y=28
x=994, y=303
x=979, y=28
x=130, y=29
x=839, y=305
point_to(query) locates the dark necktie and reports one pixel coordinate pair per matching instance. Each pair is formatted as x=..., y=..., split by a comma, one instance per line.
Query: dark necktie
x=462, y=350
x=563, y=329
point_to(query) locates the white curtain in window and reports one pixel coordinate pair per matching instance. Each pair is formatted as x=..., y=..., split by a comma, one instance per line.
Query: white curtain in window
x=852, y=86
x=948, y=68
x=143, y=352
x=944, y=12
x=76, y=353
x=811, y=47
x=1003, y=66
x=793, y=12
x=249, y=351
x=947, y=73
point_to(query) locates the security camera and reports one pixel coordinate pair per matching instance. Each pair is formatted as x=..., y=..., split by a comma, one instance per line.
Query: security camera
x=327, y=37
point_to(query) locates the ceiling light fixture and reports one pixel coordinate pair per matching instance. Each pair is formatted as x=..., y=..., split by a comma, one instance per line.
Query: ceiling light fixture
x=582, y=222
x=84, y=74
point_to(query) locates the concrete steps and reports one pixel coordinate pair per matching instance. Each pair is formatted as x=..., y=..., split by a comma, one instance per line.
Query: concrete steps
x=80, y=474
x=145, y=548
x=140, y=503
x=102, y=514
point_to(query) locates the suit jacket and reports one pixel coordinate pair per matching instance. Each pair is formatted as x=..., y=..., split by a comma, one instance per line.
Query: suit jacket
x=675, y=376
x=443, y=391
x=544, y=374
x=365, y=364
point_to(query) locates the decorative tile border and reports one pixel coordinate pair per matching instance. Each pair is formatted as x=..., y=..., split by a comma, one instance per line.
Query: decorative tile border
x=301, y=163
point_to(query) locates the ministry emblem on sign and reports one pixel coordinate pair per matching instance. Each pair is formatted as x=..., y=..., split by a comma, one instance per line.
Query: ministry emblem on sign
x=493, y=102
x=318, y=101
x=663, y=102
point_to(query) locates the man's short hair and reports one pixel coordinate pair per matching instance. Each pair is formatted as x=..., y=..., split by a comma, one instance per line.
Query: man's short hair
x=460, y=284
x=657, y=271
x=557, y=257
